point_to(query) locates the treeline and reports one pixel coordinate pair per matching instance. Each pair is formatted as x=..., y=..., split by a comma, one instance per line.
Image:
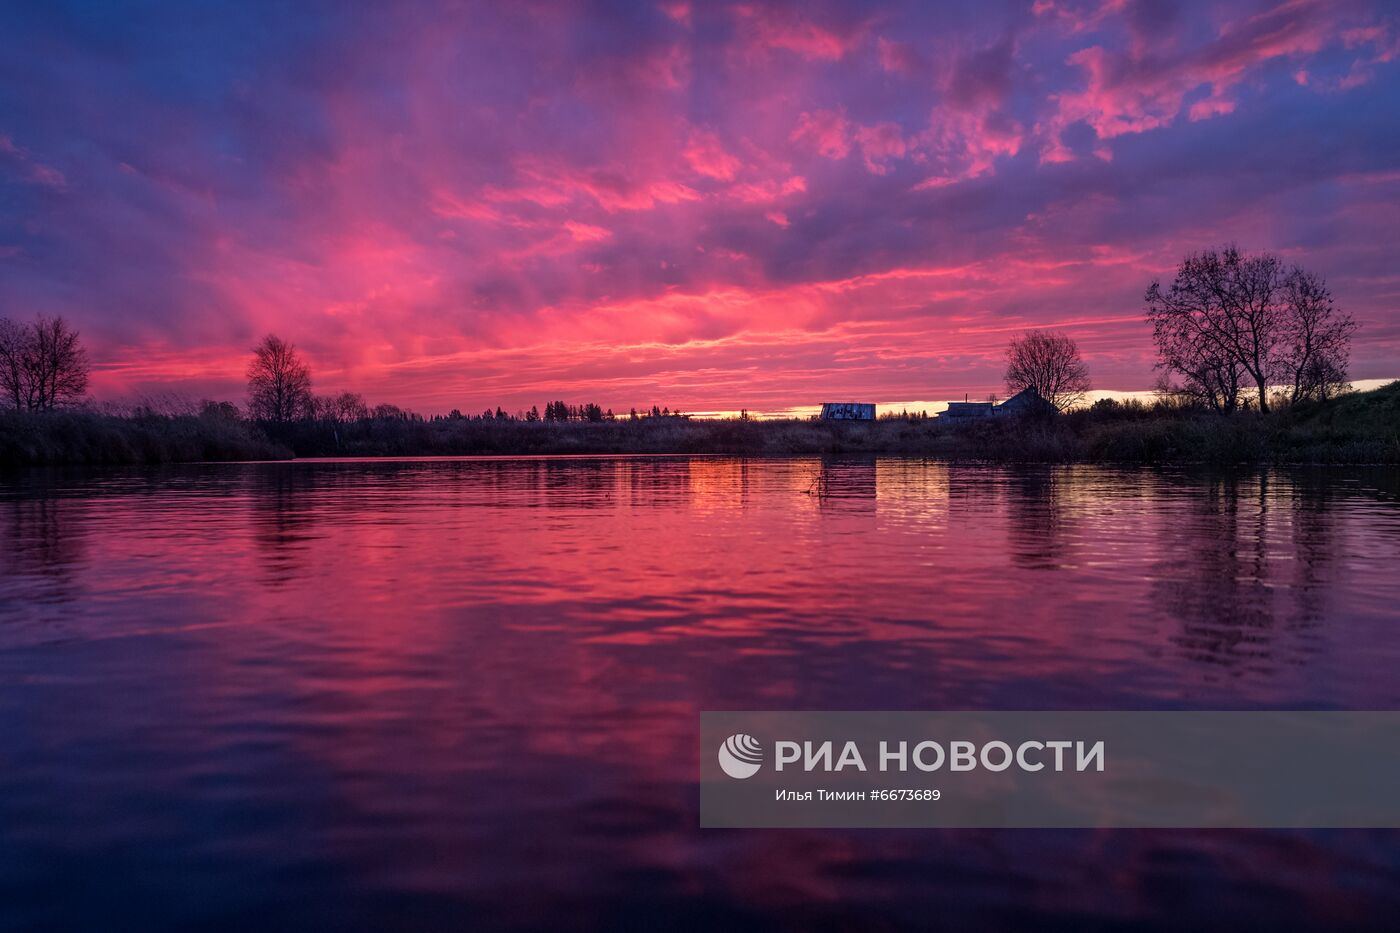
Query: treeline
x=1357, y=427
x=280, y=394
x=555, y=412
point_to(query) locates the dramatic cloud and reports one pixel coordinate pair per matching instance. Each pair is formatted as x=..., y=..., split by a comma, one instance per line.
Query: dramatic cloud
x=710, y=206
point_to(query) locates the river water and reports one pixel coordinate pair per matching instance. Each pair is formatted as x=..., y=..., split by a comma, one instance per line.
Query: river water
x=456, y=694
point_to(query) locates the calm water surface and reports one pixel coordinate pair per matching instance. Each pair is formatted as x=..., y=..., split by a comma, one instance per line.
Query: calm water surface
x=463, y=694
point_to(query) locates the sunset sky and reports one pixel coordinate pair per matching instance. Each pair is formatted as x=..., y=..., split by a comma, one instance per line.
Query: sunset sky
x=709, y=206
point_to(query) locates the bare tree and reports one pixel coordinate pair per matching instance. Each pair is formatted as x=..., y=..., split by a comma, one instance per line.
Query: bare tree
x=279, y=384
x=1050, y=364
x=350, y=406
x=14, y=352
x=1229, y=319
x=1317, y=338
x=219, y=411
x=1209, y=377
x=60, y=364
x=344, y=407
x=42, y=364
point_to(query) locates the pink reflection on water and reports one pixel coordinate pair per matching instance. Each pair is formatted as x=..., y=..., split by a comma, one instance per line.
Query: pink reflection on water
x=478, y=680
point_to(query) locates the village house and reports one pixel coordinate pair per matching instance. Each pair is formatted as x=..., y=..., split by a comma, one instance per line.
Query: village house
x=848, y=411
x=1027, y=401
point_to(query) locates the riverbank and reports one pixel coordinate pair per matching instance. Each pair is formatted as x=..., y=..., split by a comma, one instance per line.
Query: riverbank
x=82, y=437
x=1362, y=427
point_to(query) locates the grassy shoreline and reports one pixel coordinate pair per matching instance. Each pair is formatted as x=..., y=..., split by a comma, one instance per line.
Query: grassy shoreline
x=78, y=437
x=1359, y=428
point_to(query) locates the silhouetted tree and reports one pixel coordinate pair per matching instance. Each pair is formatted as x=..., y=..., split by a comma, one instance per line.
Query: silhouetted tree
x=14, y=343
x=1208, y=377
x=42, y=364
x=279, y=383
x=60, y=364
x=349, y=406
x=1050, y=364
x=1317, y=338
x=1229, y=319
x=219, y=411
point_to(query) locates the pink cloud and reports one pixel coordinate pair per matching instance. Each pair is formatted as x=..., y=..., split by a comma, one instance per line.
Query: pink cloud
x=1210, y=107
x=1135, y=91
x=586, y=233
x=762, y=192
x=32, y=171
x=897, y=57
x=668, y=68
x=826, y=131
x=769, y=28
x=707, y=156
x=1076, y=18
x=1382, y=38
x=879, y=144
x=681, y=12
x=830, y=134
x=1385, y=46
x=446, y=204
x=963, y=144
x=659, y=69
x=556, y=184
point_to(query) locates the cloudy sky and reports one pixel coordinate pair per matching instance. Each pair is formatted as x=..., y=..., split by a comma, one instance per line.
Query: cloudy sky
x=711, y=206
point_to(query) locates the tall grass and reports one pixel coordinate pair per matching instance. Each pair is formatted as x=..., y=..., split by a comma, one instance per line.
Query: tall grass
x=64, y=437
